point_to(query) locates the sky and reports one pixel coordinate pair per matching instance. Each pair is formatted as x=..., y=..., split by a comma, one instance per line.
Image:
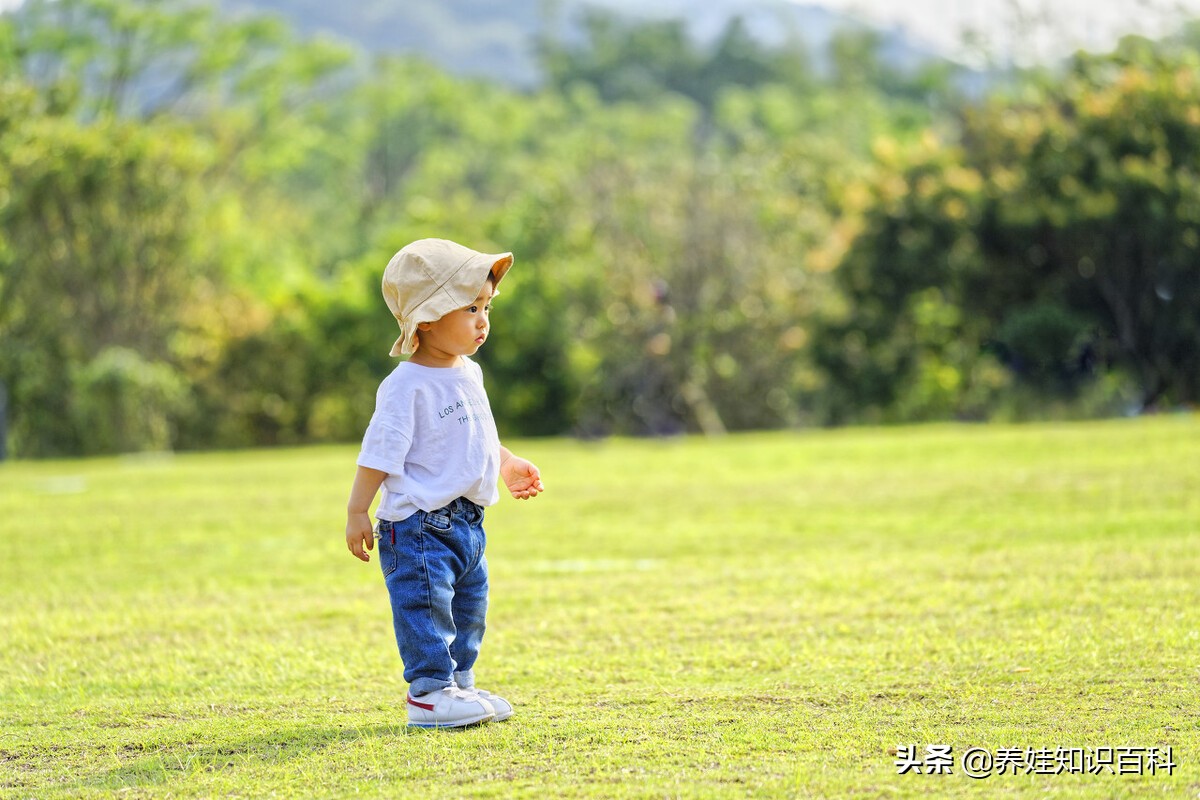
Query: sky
x=1028, y=30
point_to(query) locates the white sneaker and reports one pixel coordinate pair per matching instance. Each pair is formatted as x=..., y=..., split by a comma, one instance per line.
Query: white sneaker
x=504, y=709
x=449, y=708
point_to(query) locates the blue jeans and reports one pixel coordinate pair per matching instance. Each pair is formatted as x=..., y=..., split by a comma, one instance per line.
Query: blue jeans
x=437, y=579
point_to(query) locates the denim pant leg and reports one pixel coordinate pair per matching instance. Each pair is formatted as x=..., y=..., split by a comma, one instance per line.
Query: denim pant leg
x=470, y=603
x=431, y=564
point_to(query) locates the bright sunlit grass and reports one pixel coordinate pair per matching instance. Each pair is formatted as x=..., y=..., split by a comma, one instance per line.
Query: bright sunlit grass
x=762, y=615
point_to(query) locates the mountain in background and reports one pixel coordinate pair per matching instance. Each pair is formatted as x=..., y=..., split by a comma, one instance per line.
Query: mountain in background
x=483, y=38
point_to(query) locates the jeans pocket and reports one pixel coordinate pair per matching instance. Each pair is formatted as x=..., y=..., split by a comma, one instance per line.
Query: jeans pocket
x=436, y=523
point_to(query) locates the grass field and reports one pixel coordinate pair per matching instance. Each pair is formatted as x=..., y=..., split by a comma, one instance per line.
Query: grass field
x=758, y=616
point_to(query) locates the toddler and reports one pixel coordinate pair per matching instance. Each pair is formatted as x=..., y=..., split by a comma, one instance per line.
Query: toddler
x=432, y=446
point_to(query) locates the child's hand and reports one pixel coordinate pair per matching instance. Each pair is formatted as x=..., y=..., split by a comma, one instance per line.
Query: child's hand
x=522, y=478
x=359, y=535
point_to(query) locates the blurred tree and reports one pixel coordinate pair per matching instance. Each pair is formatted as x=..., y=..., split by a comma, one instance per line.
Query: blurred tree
x=96, y=230
x=698, y=315
x=713, y=228
x=901, y=346
x=1064, y=232
x=145, y=145
x=675, y=210
x=640, y=60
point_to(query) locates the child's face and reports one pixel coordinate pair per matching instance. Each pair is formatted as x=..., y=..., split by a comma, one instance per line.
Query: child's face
x=459, y=333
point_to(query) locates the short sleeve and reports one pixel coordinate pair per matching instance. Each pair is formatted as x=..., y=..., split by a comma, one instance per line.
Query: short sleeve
x=388, y=437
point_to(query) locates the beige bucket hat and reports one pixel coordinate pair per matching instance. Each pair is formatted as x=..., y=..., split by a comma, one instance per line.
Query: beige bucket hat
x=429, y=278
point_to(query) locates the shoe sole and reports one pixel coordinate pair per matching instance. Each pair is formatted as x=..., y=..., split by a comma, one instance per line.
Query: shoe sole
x=460, y=724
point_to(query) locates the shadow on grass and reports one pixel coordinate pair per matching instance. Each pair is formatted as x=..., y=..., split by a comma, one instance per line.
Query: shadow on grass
x=142, y=767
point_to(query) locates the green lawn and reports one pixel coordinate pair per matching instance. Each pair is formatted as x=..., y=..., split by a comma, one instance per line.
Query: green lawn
x=765, y=615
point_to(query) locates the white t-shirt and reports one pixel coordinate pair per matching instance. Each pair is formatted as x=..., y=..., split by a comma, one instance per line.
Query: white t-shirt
x=433, y=434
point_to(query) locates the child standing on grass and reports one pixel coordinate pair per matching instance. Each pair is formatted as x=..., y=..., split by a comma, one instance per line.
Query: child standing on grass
x=432, y=446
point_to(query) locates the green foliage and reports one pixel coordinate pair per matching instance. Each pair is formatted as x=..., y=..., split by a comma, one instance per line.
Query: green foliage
x=1113, y=201
x=121, y=233
x=123, y=403
x=640, y=61
x=901, y=346
x=97, y=224
x=1063, y=228
x=1045, y=344
x=301, y=369
x=708, y=238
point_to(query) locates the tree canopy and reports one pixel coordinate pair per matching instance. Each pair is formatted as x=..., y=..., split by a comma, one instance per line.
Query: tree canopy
x=195, y=212
x=1057, y=236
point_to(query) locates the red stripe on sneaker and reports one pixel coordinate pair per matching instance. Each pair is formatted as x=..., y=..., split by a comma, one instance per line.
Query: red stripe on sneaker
x=427, y=707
